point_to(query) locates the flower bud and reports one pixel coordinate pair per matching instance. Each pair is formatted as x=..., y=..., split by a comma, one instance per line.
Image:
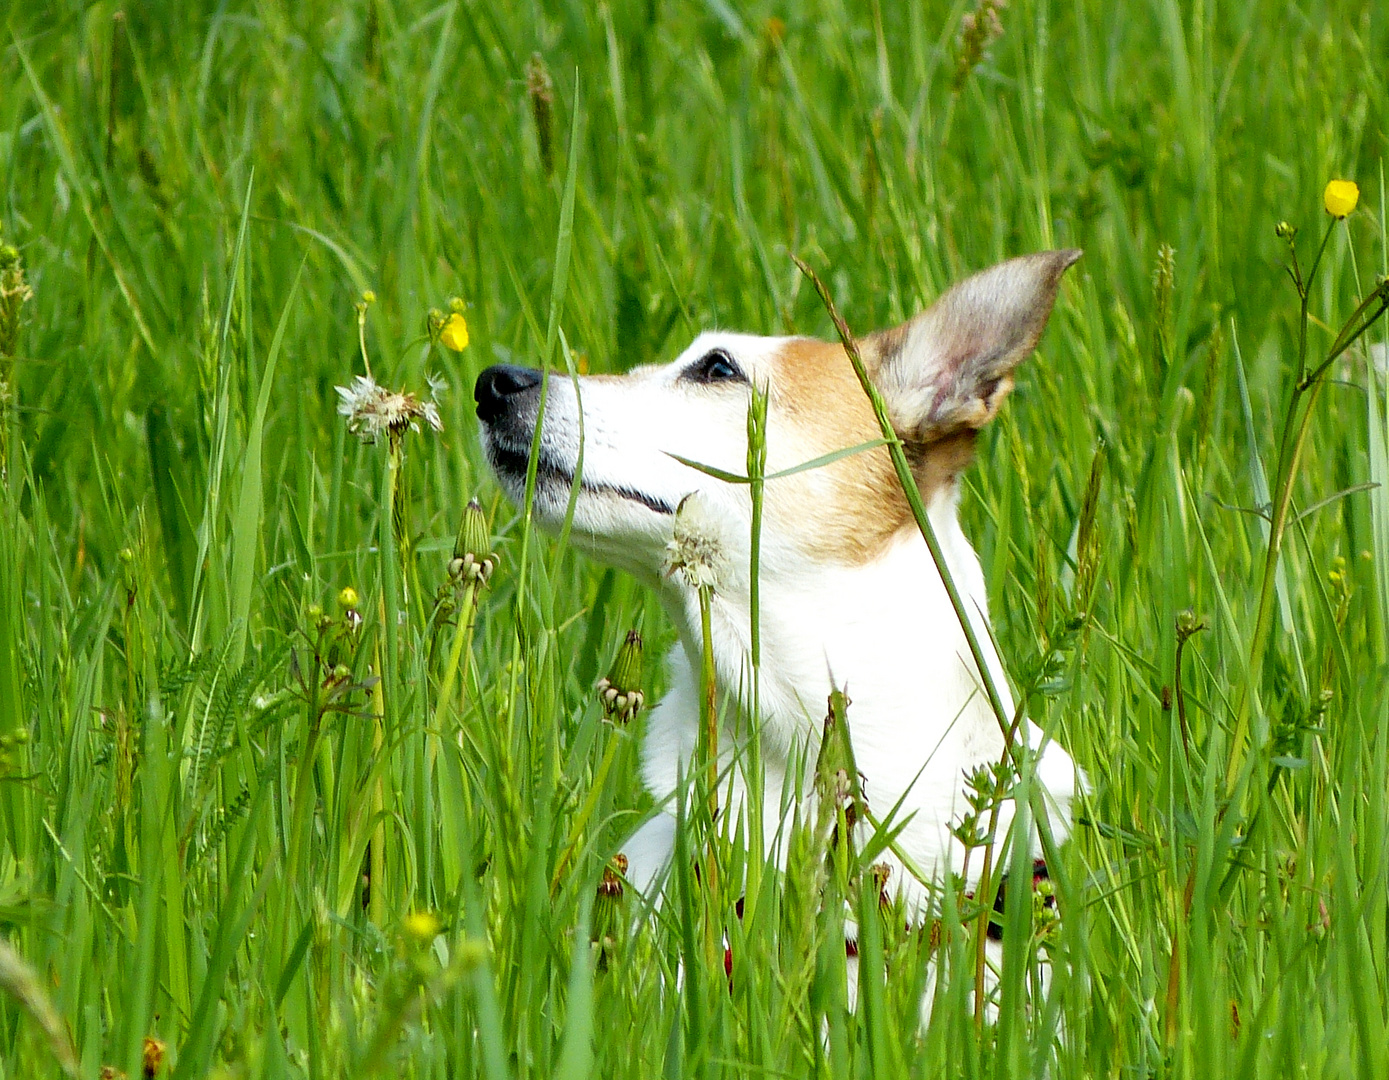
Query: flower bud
x=620, y=690
x=606, y=923
x=151, y=1056
x=348, y=597
x=613, y=873
x=473, y=558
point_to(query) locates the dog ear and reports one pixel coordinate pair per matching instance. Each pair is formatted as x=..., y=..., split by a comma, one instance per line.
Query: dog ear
x=949, y=368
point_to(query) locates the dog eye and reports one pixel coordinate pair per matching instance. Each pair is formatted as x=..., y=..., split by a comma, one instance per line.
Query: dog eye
x=715, y=366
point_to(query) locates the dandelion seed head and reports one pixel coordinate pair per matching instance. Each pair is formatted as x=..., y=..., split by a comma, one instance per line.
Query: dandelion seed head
x=694, y=552
x=372, y=409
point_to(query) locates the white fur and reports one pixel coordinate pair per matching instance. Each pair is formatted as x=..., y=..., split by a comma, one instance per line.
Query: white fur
x=918, y=716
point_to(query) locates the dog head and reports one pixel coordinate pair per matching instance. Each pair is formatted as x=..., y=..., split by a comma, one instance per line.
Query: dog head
x=942, y=374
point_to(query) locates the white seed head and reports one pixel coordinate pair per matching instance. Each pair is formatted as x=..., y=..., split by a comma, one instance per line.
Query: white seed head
x=372, y=409
x=695, y=552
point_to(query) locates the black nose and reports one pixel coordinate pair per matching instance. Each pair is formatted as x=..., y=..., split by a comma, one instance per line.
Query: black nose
x=497, y=384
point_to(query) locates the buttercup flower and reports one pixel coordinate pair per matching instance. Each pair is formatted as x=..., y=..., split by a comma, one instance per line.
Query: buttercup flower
x=422, y=926
x=454, y=333
x=371, y=409
x=1340, y=197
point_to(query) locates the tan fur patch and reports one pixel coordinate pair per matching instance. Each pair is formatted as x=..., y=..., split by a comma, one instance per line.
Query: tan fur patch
x=848, y=511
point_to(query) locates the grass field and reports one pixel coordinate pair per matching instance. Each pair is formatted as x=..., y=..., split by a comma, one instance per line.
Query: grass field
x=283, y=844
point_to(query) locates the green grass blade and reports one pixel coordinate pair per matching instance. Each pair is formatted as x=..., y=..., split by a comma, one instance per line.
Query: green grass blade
x=248, y=511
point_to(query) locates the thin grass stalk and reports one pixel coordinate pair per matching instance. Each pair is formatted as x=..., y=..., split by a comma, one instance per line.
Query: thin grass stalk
x=693, y=996
x=986, y=892
x=709, y=718
x=757, y=469
x=558, y=287
x=208, y=527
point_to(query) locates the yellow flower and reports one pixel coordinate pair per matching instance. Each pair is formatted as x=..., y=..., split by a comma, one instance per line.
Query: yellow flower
x=454, y=333
x=422, y=926
x=1340, y=197
x=348, y=598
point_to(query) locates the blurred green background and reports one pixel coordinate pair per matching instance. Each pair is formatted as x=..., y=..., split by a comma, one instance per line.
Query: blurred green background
x=197, y=850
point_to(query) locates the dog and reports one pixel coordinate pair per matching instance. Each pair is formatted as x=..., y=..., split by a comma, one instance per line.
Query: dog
x=849, y=592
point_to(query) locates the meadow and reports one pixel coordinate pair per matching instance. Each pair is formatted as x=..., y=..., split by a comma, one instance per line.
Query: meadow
x=270, y=809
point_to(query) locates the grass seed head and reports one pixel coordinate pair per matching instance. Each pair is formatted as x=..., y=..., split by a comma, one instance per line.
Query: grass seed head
x=979, y=29
x=14, y=293
x=541, y=91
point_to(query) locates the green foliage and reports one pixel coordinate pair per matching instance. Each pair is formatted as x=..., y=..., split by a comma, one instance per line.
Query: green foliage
x=293, y=837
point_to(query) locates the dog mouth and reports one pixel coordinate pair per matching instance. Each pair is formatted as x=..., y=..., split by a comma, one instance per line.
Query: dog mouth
x=512, y=464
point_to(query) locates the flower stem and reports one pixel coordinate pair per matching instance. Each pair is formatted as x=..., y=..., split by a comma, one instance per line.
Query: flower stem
x=376, y=904
x=708, y=714
x=462, y=646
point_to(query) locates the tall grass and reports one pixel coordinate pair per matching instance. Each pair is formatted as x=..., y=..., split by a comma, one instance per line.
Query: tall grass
x=236, y=823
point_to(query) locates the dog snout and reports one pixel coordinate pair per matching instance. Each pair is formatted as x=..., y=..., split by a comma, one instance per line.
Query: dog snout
x=498, y=385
